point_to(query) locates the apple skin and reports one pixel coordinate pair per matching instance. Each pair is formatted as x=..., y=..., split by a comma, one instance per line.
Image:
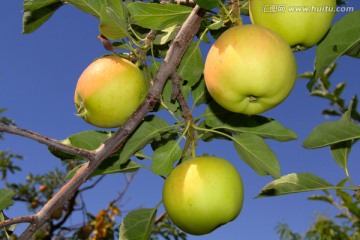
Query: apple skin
x=109, y=91
x=299, y=28
x=202, y=194
x=250, y=69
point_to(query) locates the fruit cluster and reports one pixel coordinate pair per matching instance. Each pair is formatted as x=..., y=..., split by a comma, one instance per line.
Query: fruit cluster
x=249, y=69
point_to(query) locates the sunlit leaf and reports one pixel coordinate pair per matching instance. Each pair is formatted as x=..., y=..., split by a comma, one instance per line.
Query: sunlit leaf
x=33, y=19
x=32, y=5
x=6, y=196
x=295, y=183
x=343, y=38
x=157, y=16
x=92, y=7
x=166, y=35
x=137, y=224
x=253, y=150
x=329, y=133
x=164, y=158
x=113, y=19
x=89, y=140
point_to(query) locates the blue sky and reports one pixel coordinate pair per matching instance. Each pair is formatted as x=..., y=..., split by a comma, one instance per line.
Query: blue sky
x=38, y=74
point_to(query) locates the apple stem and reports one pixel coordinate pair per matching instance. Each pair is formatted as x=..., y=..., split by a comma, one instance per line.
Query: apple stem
x=253, y=98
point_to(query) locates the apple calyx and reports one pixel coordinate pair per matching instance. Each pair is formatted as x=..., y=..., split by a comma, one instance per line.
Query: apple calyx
x=253, y=98
x=81, y=109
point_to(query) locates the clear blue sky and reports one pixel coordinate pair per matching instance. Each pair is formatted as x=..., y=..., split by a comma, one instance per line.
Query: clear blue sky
x=38, y=73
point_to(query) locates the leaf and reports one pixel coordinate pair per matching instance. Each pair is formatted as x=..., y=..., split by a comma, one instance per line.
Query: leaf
x=113, y=19
x=253, y=150
x=32, y=5
x=92, y=7
x=89, y=140
x=295, y=183
x=329, y=133
x=157, y=16
x=137, y=224
x=343, y=38
x=164, y=158
x=6, y=198
x=150, y=129
x=167, y=35
x=207, y=4
x=327, y=198
x=109, y=166
x=33, y=19
x=192, y=64
x=340, y=151
x=200, y=94
x=354, y=51
x=219, y=118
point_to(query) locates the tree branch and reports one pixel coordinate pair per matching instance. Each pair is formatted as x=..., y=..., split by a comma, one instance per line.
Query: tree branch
x=173, y=57
x=52, y=143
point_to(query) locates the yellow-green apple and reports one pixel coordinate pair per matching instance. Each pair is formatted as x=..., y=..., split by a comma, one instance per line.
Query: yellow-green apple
x=203, y=193
x=302, y=23
x=109, y=91
x=250, y=69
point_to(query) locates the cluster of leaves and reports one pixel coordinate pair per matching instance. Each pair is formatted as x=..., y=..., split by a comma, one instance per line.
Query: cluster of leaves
x=143, y=31
x=346, y=224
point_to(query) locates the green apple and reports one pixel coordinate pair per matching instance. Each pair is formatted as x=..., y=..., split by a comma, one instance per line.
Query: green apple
x=250, y=69
x=109, y=91
x=302, y=23
x=202, y=194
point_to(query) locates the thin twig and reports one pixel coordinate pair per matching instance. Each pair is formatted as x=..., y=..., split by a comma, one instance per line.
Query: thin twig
x=16, y=220
x=52, y=143
x=173, y=57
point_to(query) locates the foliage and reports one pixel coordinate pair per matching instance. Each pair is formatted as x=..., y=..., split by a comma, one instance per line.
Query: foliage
x=152, y=35
x=346, y=224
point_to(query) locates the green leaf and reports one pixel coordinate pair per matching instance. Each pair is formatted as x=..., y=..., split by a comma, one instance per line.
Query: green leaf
x=330, y=133
x=157, y=16
x=342, y=38
x=164, y=158
x=207, y=4
x=137, y=224
x=254, y=151
x=33, y=19
x=340, y=151
x=166, y=35
x=192, y=64
x=149, y=130
x=172, y=104
x=219, y=118
x=89, y=140
x=200, y=94
x=295, y=183
x=327, y=198
x=354, y=51
x=92, y=7
x=109, y=166
x=32, y=5
x=113, y=19
x=6, y=198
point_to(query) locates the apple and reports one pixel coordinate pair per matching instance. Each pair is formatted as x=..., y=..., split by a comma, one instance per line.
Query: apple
x=250, y=69
x=109, y=91
x=302, y=23
x=203, y=193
